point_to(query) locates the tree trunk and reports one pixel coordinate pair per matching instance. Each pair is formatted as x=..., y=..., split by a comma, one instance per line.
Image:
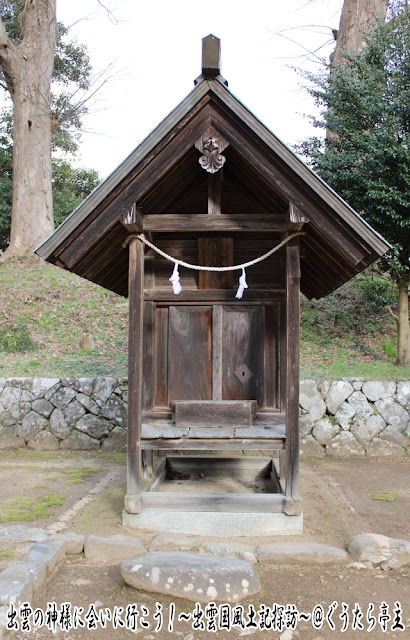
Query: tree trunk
x=28, y=69
x=356, y=19
x=403, y=332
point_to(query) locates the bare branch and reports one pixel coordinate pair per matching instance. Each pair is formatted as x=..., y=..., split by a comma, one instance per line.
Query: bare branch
x=110, y=14
x=82, y=98
x=309, y=53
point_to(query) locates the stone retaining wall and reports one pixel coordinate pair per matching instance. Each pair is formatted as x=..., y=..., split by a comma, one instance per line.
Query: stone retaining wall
x=352, y=417
x=348, y=417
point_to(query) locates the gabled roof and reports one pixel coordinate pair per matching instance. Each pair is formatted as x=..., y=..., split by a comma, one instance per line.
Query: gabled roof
x=338, y=242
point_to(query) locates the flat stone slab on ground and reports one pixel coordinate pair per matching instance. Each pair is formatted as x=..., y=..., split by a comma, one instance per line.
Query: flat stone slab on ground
x=112, y=550
x=23, y=578
x=300, y=552
x=21, y=533
x=196, y=577
x=172, y=542
x=74, y=542
x=390, y=553
x=237, y=550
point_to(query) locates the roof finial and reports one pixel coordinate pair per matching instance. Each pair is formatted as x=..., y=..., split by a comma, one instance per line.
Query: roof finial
x=211, y=57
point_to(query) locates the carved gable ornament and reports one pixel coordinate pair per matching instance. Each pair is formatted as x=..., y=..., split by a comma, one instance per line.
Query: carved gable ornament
x=211, y=144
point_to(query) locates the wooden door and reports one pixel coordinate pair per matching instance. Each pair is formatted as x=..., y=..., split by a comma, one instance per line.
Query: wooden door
x=243, y=346
x=190, y=353
x=216, y=352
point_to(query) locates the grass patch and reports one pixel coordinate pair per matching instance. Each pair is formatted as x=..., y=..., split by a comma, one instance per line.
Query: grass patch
x=24, y=508
x=74, y=475
x=70, y=476
x=106, y=509
x=120, y=458
x=387, y=496
x=6, y=554
x=16, y=339
x=40, y=456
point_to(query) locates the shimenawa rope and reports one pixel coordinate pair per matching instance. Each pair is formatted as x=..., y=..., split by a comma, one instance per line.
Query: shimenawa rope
x=175, y=279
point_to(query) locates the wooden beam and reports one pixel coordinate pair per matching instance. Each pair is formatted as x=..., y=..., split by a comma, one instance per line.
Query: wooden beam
x=216, y=464
x=135, y=374
x=297, y=219
x=159, y=476
x=205, y=222
x=133, y=220
x=216, y=444
x=292, y=376
x=215, y=252
x=200, y=296
x=212, y=413
x=215, y=193
x=216, y=352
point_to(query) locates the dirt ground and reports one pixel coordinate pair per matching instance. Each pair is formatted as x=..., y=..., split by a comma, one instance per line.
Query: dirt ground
x=337, y=503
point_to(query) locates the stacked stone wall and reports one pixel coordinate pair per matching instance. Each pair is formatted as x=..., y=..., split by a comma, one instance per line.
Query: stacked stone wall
x=63, y=413
x=348, y=417
x=354, y=417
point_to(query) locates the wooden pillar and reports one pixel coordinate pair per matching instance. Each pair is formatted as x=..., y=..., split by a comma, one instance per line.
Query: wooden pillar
x=135, y=378
x=292, y=504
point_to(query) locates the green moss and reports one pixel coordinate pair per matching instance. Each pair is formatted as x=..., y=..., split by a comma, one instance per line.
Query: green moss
x=121, y=458
x=77, y=476
x=24, y=508
x=387, y=496
x=6, y=554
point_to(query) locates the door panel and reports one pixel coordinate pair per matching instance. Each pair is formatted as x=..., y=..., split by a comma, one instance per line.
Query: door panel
x=190, y=353
x=198, y=348
x=243, y=343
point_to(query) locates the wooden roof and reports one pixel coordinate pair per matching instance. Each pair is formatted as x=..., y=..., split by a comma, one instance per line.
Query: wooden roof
x=263, y=181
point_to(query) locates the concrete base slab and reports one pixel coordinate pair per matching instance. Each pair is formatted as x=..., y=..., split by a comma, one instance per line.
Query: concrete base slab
x=212, y=523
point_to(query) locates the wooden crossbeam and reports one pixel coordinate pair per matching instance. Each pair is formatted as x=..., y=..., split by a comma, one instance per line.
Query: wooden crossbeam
x=222, y=222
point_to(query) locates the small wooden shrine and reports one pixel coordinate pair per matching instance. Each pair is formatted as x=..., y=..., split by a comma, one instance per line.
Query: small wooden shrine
x=211, y=186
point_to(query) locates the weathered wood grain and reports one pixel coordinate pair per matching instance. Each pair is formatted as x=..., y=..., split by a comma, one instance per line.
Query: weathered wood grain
x=216, y=352
x=204, y=222
x=214, y=444
x=133, y=219
x=208, y=296
x=215, y=252
x=243, y=330
x=215, y=193
x=271, y=371
x=292, y=378
x=148, y=357
x=161, y=357
x=190, y=353
x=210, y=413
x=135, y=365
x=159, y=476
x=219, y=463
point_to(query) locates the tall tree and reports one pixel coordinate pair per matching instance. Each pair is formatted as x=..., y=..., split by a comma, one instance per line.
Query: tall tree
x=357, y=18
x=32, y=53
x=365, y=105
x=28, y=68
